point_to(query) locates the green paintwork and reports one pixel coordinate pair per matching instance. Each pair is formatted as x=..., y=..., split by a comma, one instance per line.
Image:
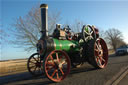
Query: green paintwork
x=86, y=29
x=66, y=45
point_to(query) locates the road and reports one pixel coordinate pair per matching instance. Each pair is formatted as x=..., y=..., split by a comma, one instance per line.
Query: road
x=124, y=81
x=85, y=75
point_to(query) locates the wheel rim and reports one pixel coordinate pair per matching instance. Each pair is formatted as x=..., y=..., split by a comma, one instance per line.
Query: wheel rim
x=34, y=64
x=101, y=53
x=88, y=33
x=57, y=65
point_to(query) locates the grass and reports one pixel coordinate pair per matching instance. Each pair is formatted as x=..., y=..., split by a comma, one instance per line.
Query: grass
x=111, y=52
x=12, y=66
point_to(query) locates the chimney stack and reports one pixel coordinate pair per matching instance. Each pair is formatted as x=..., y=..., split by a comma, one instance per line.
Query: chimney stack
x=44, y=19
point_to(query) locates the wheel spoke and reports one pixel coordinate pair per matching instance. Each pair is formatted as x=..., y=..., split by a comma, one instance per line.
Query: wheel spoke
x=52, y=59
x=35, y=69
x=97, y=46
x=32, y=62
x=64, y=61
x=53, y=73
x=96, y=50
x=31, y=67
x=90, y=37
x=100, y=59
x=57, y=75
x=97, y=59
x=91, y=32
x=86, y=32
x=35, y=59
x=103, y=59
x=57, y=57
x=100, y=62
x=61, y=71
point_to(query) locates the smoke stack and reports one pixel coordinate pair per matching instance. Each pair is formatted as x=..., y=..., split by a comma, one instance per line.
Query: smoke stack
x=44, y=19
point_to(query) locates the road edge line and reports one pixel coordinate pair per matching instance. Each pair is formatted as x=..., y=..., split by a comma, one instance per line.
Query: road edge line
x=117, y=77
x=120, y=77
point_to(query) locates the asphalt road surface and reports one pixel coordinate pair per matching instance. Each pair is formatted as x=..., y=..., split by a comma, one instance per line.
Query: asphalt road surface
x=85, y=75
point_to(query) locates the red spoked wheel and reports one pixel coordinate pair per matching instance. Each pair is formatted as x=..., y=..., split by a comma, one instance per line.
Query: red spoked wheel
x=57, y=65
x=101, y=53
x=34, y=64
x=97, y=53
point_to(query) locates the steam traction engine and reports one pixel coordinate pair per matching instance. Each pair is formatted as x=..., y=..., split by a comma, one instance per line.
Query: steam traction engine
x=56, y=53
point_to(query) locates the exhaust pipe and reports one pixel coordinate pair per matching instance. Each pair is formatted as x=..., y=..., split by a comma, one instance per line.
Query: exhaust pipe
x=44, y=20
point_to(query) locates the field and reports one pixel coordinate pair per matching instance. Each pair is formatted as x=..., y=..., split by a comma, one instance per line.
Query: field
x=12, y=66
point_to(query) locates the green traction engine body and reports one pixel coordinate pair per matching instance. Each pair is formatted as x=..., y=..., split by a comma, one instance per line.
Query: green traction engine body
x=51, y=44
x=66, y=45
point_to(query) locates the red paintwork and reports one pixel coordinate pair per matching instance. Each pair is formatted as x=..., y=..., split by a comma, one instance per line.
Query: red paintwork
x=58, y=74
x=101, y=55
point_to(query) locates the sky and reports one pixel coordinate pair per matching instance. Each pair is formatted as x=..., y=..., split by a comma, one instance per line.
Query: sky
x=104, y=14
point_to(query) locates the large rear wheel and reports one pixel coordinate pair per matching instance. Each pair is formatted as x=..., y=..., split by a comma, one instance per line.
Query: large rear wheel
x=97, y=53
x=57, y=65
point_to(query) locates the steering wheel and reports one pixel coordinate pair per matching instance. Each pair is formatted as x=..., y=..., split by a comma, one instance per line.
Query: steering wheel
x=88, y=33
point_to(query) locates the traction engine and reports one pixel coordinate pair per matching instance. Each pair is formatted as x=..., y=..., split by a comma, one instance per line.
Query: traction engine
x=58, y=52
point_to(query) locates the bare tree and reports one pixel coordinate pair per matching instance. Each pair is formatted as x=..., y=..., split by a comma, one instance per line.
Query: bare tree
x=114, y=37
x=26, y=30
x=77, y=25
x=3, y=35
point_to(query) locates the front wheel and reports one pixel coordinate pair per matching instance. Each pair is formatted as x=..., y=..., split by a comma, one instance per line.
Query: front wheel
x=34, y=64
x=97, y=53
x=56, y=65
